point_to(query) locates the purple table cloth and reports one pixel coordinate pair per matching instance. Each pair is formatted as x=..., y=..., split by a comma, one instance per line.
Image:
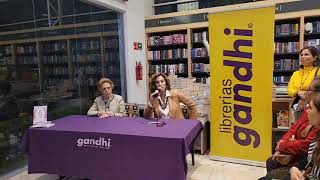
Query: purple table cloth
x=117, y=148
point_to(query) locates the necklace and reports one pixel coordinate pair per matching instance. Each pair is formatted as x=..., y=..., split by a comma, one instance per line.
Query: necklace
x=107, y=103
x=302, y=81
x=164, y=105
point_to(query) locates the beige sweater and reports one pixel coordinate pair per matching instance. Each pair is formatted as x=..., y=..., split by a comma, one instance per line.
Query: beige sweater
x=116, y=106
x=175, y=112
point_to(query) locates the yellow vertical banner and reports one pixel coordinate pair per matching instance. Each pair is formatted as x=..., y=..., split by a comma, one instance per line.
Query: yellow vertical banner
x=241, y=70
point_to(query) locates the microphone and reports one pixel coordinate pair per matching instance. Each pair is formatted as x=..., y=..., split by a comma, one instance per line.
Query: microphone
x=156, y=93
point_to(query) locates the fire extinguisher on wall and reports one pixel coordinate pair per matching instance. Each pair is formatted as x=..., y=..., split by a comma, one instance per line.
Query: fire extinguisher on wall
x=138, y=71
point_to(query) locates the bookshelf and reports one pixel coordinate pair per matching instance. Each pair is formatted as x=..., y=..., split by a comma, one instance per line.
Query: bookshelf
x=111, y=60
x=280, y=112
x=167, y=52
x=55, y=62
x=27, y=62
x=199, y=55
x=312, y=31
x=185, y=57
x=286, y=47
x=6, y=60
x=86, y=58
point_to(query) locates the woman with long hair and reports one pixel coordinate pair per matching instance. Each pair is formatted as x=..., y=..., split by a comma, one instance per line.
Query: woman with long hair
x=165, y=102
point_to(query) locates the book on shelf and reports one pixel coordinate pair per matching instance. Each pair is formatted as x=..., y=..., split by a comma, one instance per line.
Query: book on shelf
x=198, y=36
x=199, y=52
x=112, y=43
x=56, y=46
x=287, y=29
x=200, y=67
x=282, y=80
x=281, y=90
x=5, y=50
x=168, y=54
x=188, y=6
x=169, y=69
x=286, y=47
x=283, y=119
x=312, y=27
x=313, y=42
x=286, y=64
x=167, y=40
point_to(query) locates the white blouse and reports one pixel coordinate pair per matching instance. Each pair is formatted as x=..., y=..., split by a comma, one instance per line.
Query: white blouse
x=164, y=106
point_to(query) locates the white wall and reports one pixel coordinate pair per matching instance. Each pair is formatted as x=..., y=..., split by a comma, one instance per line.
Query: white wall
x=134, y=30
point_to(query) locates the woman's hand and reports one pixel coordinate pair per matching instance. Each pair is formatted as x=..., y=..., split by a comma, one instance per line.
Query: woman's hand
x=275, y=155
x=302, y=94
x=296, y=174
x=153, y=96
x=278, y=144
x=105, y=114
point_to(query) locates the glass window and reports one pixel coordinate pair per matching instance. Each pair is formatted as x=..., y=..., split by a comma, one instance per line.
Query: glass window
x=53, y=58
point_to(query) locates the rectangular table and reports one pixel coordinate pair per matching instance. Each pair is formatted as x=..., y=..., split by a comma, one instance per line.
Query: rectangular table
x=116, y=148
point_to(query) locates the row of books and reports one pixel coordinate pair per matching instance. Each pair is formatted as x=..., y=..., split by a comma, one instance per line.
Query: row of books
x=87, y=70
x=312, y=42
x=199, y=52
x=169, y=69
x=168, y=54
x=287, y=29
x=28, y=60
x=56, y=71
x=188, y=6
x=112, y=70
x=55, y=59
x=112, y=56
x=167, y=40
x=286, y=47
x=281, y=79
x=26, y=49
x=315, y=27
x=112, y=43
x=200, y=67
x=85, y=45
x=286, y=64
x=281, y=89
x=198, y=36
x=5, y=50
x=84, y=58
x=7, y=60
x=57, y=46
x=54, y=81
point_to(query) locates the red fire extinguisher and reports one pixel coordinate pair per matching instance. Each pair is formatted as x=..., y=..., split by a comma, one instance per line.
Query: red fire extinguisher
x=138, y=71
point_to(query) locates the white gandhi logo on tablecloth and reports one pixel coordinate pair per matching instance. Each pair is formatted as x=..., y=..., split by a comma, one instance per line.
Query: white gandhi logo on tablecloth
x=104, y=143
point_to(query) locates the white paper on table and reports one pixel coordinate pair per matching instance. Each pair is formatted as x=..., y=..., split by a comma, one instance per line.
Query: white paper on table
x=40, y=115
x=46, y=125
